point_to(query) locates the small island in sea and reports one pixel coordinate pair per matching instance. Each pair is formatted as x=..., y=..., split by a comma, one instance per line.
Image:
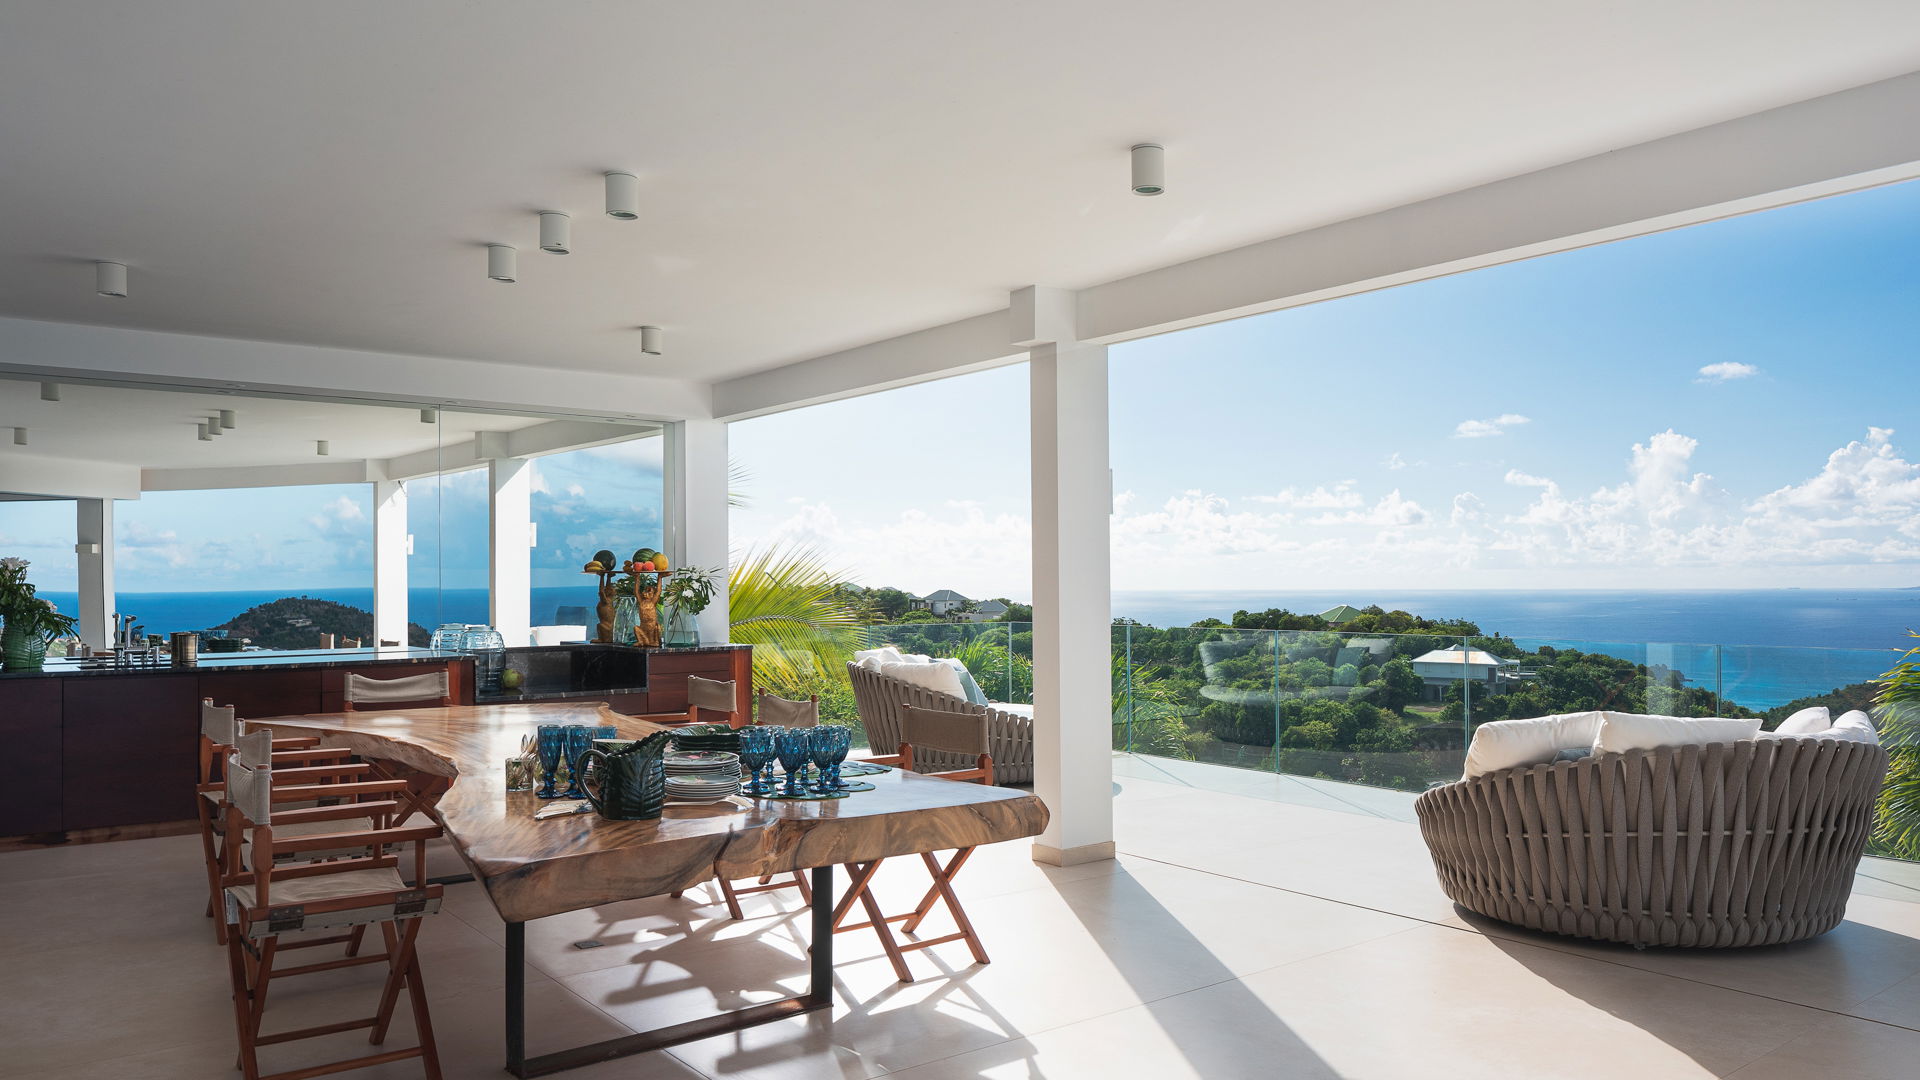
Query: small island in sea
x=298, y=622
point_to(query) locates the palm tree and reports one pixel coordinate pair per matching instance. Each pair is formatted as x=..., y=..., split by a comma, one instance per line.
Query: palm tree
x=784, y=602
x=1896, y=830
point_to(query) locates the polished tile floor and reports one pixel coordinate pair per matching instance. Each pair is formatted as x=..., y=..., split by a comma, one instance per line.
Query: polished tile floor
x=1255, y=926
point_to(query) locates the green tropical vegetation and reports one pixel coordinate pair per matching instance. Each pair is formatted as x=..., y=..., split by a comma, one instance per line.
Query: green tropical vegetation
x=1896, y=829
x=296, y=622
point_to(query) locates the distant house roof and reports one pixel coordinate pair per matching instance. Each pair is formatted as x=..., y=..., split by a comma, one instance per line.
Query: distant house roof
x=989, y=607
x=1477, y=657
x=945, y=596
x=1344, y=613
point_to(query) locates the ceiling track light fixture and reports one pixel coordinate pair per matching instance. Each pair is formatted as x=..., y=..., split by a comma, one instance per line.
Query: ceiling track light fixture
x=503, y=263
x=49, y=391
x=623, y=196
x=227, y=419
x=321, y=448
x=110, y=279
x=650, y=340
x=553, y=232
x=1149, y=169
x=205, y=434
x=429, y=416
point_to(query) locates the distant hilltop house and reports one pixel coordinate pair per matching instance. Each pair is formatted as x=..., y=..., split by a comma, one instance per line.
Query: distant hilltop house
x=948, y=604
x=1455, y=664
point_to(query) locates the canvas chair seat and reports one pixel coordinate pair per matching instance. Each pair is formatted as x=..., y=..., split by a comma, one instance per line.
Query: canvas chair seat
x=291, y=893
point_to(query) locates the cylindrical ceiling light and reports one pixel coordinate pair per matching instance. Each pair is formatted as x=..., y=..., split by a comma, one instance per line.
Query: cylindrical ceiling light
x=205, y=434
x=1149, y=169
x=503, y=263
x=650, y=340
x=429, y=416
x=321, y=448
x=19, y=436
x=214, y=426
x=623, y=196
x=49, y=391
x=553, y=232
x=110, y=278
x=227, y=419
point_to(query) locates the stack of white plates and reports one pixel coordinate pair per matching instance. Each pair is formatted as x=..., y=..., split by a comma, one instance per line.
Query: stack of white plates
x=701, y=789
x=702, y=775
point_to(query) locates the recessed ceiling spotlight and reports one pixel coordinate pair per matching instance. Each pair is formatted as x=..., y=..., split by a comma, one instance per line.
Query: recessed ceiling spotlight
x=623, y=196
x=503, y=263
x=227, y=419
x=49, y=391
x=321, y=448
x=429, y=416
x=650, y=340
x=1149, y=169
x=553, y=232
x=205, y=435
x=19, y=436
x=110, y=278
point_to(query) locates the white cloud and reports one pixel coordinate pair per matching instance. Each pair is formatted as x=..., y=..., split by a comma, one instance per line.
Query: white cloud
x=1396, y=461
x=1392, y=511
x=1863, y=484
x=1726, y=371
x=1481, y=429
x=1520, y=479
x=576, y=491
x=1340, y=497
x=1468, y=508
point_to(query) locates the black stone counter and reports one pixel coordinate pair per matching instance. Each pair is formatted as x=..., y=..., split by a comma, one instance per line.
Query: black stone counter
x=241, y=661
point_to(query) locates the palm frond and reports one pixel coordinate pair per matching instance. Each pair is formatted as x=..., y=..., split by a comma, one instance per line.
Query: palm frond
x=1896, y=828
x=783, y=601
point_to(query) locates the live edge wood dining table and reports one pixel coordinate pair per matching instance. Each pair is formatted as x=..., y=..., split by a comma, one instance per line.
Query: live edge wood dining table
x=453, y=760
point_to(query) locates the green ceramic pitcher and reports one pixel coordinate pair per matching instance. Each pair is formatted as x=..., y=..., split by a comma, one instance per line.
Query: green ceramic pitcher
x=628, y=784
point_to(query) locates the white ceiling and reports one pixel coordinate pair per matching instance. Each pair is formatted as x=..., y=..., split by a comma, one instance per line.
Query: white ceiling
x=813, y=175
x=156, y=429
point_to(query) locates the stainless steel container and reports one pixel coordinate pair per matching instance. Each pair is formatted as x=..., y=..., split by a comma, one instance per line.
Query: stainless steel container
x=185, y=647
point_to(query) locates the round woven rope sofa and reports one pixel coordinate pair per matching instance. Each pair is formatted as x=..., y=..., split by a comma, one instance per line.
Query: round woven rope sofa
x=1730, y=844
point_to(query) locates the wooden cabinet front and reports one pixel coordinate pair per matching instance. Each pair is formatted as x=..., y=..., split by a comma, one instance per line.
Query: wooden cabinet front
x=129, y=747
x=30, y=730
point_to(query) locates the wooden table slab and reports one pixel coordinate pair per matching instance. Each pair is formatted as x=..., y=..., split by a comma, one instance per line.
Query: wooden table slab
x=532, y=869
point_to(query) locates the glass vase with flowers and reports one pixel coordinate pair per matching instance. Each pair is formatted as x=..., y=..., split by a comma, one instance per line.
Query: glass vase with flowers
x=28, y=623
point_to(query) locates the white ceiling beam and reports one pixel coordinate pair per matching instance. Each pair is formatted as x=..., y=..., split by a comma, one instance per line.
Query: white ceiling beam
x=1824, y=146
x=33, y=474
x=254, y=476
x=52, y=350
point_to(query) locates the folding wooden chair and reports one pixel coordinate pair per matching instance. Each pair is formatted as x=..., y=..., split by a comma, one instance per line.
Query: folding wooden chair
x=218, y=730
x=264, y=899
x=931, y=729
x=708, y=696
x=781, y=712
x=428, y=689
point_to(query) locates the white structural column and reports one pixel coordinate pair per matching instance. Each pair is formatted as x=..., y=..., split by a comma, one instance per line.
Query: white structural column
x=509, y=546
x=1072, y=659
x=93, y=546
x=697, y=507
x=390, y=549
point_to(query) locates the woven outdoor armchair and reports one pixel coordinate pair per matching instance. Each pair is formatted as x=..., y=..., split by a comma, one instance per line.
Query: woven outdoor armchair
x=879, y=698
x=1744, y=843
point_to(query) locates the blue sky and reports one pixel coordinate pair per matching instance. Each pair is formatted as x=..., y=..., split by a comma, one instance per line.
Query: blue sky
x=1728, y=405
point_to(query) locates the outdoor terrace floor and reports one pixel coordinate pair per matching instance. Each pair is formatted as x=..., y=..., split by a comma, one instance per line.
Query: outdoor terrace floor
x=1255, y=926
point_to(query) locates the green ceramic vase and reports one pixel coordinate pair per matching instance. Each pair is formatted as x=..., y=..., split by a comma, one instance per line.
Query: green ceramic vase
x=21, y=650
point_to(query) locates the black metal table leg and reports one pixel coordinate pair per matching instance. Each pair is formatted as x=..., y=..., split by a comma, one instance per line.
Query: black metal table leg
x=819, y=995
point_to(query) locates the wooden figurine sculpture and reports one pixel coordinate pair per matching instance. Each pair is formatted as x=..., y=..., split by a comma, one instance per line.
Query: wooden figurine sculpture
x=646, y=592
x=603, y=566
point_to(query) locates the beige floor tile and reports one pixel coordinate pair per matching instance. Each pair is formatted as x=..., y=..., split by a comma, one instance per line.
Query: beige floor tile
x=1842, y=1048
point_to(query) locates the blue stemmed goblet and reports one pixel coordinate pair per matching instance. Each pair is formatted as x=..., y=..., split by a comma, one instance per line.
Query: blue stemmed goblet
x=756, y=753
x=794, y=749
x=549, y=742
x=820, y=745
x=839, y=742
x=579, y=740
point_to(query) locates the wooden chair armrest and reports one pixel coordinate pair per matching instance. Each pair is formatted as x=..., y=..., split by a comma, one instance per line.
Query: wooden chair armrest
x=882, y=759
x=296, y=758
x=304, y=792
x=338, y=812
x=304, y=742
x=358, y=838
x=317, y=772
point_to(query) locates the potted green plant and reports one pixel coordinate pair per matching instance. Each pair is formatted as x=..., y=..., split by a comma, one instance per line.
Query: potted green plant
x=1896, y=827
x=686, y=594
x=28, y=623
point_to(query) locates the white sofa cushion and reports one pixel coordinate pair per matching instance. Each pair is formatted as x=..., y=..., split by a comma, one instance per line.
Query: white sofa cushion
x=1534, y=740
x=1806, y=722
x=871, y=659
x=1629, y=731
x=1854, y=726
x=937, y=677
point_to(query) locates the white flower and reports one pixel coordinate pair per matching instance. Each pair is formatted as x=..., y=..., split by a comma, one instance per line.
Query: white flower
x=49, y=603
x=13, y=563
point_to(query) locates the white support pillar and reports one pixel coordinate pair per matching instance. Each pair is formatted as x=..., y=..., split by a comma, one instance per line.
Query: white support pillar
x=509, y=545
x=391, y=545
x=697, y=508
x=93, y=548
x=1072, y=608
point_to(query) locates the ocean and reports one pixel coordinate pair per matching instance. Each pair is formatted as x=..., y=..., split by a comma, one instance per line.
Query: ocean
x=1761, y=648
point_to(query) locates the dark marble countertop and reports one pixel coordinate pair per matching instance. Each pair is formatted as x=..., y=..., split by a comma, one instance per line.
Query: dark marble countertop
x=61, y=667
